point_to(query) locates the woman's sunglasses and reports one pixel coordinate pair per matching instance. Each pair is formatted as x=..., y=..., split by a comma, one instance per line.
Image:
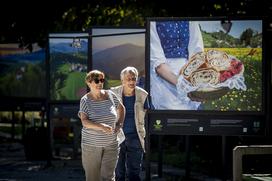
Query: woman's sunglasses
x=99, y=80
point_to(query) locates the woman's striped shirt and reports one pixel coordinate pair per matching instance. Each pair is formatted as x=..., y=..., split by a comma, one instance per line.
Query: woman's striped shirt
x=102, y=111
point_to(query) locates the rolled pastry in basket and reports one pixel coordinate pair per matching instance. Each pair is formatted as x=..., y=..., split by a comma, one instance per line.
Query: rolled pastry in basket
x=204, y=76
x=195, y=62
x=218, y=60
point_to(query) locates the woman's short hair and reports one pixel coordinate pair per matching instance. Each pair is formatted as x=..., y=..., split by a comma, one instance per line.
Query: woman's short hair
x=129, y=70
x=90, y=76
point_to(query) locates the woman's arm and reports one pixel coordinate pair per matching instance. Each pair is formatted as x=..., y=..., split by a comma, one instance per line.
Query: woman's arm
x=96, y=126
x=166, y=73
x=157, y=57
x=195, y=45
x=162, y=69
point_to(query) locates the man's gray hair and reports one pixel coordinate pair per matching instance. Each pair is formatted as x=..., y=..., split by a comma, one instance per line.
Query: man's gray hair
x=129, y=70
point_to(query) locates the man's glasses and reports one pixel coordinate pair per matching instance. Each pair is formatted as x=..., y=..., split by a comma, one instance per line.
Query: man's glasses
x=99, y=80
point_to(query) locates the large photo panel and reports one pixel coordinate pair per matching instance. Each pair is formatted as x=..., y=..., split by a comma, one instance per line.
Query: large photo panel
x=22, y=71
x=209, y=65
x=68, y=57
x=113, y=49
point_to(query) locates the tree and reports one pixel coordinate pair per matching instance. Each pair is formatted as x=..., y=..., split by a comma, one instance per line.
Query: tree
x=31, y=21
x=246, y=36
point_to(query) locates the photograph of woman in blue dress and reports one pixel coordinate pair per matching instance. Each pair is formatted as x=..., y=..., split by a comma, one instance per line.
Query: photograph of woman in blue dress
x=171, y=45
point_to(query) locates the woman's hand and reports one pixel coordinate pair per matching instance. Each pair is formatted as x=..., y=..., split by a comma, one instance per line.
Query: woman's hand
x=106, y=128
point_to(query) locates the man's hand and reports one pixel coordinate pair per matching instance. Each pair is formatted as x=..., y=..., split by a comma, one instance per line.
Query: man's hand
x=118, y=127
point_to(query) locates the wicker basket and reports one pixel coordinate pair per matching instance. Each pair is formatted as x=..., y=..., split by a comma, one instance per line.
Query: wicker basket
x=209, y=93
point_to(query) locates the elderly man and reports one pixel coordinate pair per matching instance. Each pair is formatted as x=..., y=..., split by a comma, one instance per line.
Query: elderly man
x=135, y=101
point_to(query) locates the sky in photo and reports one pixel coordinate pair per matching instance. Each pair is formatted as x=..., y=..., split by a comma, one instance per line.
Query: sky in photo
x=238, y=26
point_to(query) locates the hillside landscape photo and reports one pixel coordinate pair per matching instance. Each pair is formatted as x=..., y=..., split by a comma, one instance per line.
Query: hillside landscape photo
x=68, y=67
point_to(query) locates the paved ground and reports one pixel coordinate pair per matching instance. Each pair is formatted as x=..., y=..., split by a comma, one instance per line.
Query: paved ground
x=15, y=167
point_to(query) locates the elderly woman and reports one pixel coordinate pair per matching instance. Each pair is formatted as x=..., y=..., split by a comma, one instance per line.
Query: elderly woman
x=135, y=101
x=101, y=114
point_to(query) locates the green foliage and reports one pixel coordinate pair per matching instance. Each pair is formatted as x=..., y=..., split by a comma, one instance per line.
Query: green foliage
x=74, y=81
x=30, y=84
x=238, y=100
x=111, y=83
x=256, y=41
x=65, y=82
x=8, y=129
x=246, y=36
x=125, y=14
x=32, y=23
x=223, y=40
x=219, y=40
